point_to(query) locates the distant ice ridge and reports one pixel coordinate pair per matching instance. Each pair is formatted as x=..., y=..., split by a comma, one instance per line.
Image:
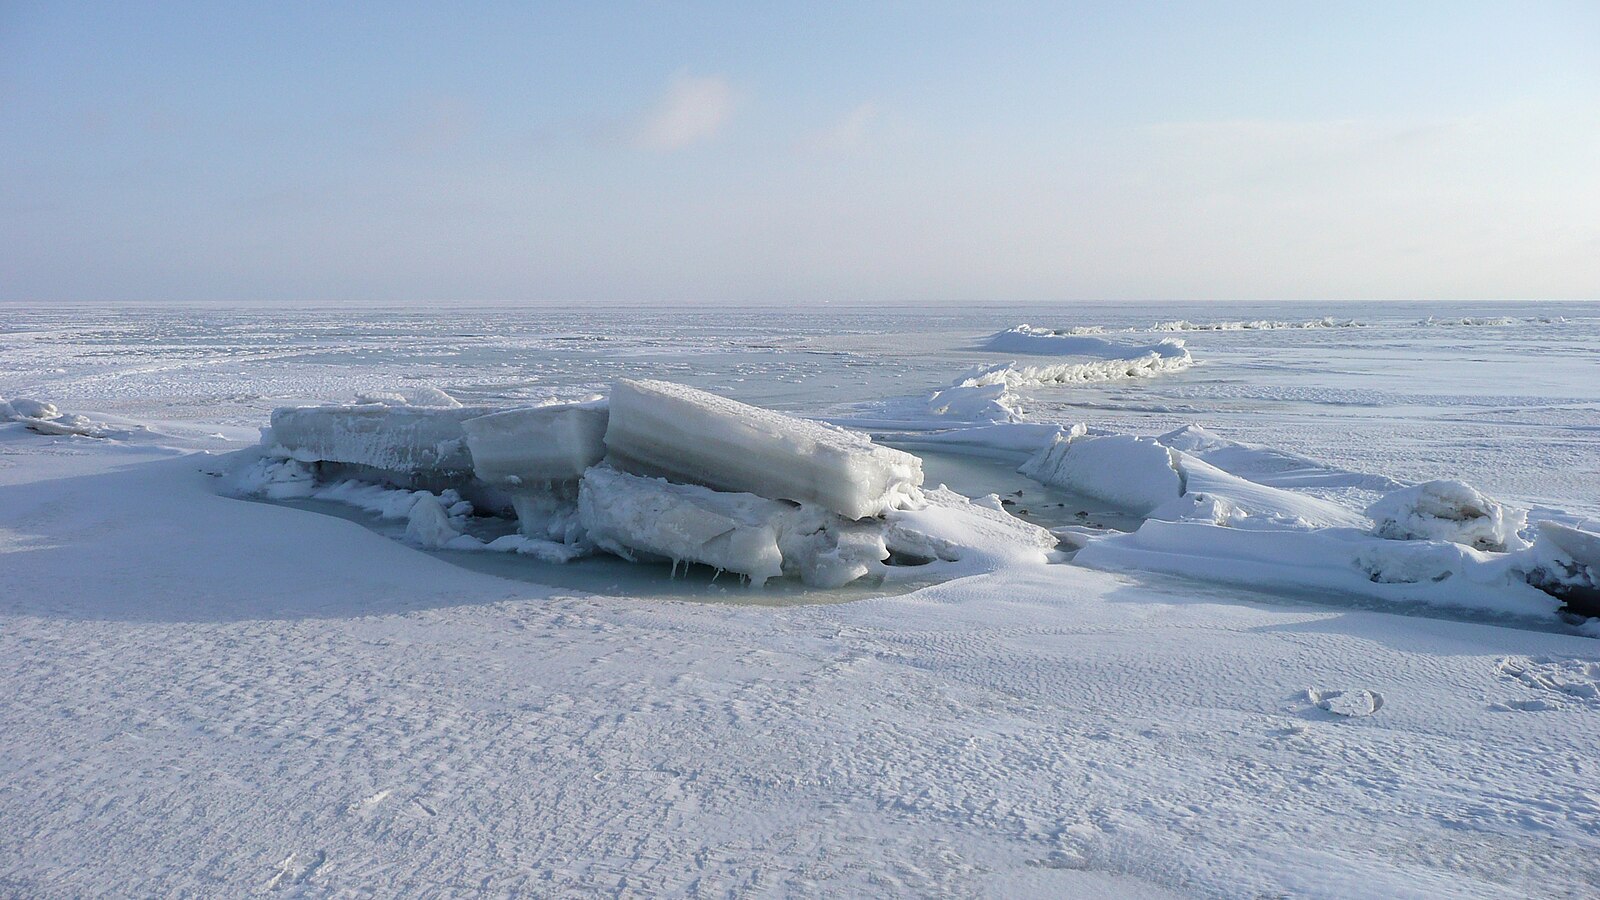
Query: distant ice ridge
x=1254, y=325
x=992, y=394
x=1440, y=543
x=658, y=471
x=1492, y=321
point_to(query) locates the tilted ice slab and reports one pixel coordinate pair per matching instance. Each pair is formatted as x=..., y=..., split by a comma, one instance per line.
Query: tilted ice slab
x=541, y=444
x=641, y=518
x=405, y=443
x=687, y=435
x=1147, y=478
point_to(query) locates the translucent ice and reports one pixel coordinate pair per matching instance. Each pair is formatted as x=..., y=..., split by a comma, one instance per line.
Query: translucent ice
x=664, y=429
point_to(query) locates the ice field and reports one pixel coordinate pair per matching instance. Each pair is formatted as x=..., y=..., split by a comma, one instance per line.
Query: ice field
x=1216, y=600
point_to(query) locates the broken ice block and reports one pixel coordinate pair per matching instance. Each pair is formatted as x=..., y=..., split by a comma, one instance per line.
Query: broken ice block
x=542, y=444
x=677, y=432
x=627, y=514
x=409, y=445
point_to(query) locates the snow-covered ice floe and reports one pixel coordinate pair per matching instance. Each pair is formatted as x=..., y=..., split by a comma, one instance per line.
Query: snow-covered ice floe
x=1440, y=543
x=657, y=472
x=1148, y=478
x=44, y=418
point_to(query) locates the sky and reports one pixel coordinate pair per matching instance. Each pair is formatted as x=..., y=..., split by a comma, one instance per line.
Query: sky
x=921, y=152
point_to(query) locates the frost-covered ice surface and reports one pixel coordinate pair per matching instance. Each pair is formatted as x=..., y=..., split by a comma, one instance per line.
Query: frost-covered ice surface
x=211, y=697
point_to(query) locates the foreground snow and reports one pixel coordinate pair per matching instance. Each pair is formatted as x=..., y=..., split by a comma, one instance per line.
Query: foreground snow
x=206, y=695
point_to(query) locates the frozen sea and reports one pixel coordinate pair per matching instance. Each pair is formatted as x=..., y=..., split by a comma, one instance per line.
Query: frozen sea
x=205, y=697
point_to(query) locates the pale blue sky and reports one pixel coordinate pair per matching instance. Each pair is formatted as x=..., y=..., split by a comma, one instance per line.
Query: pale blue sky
x=917, y=152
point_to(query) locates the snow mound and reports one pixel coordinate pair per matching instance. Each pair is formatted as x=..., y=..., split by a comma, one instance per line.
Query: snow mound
x=43, y=417
x=1340, y=560
x=1147, y=478
x=425, y=396
x=1134, y=473
x=687, y=435
x=1448, y=511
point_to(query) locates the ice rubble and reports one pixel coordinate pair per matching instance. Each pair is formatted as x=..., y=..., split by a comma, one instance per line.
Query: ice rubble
x=657, y=472
x=1448, y=511
x=1441, y=543
x=44, y=418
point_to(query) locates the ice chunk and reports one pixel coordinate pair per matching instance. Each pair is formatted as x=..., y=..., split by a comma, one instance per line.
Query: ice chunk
x=44, y=418
x=1134, y=473
x=428, y=524
x=406, y=443
x=549, y=511
x=639, y=517
x=664, y=429
x=528, y=446
x=1448, y=511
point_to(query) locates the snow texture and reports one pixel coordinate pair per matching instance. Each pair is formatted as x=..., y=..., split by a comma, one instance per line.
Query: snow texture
x=687, y=435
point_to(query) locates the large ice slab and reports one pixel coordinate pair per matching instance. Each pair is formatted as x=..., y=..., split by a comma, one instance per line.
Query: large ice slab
x=677, y=432
x=521, y=447
x=407, y=443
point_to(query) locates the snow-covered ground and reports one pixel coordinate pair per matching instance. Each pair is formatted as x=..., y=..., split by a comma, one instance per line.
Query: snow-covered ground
x=209, y=696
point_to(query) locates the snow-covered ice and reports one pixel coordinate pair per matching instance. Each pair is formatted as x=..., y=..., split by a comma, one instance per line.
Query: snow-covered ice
x=1254, y=689
x=1448, y=511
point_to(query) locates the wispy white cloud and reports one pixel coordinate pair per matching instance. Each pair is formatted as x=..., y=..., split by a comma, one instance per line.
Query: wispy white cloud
x=693, y=109
x=849, y=134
